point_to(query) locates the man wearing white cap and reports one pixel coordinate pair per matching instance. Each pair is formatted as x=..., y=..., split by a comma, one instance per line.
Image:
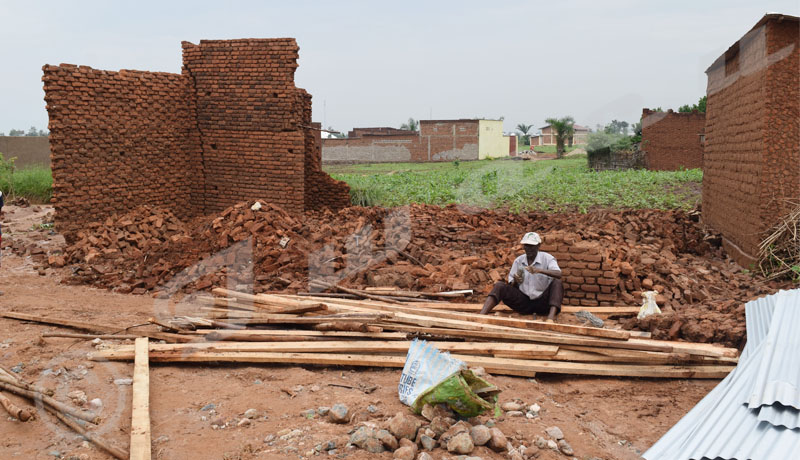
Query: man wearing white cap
x=534, y=283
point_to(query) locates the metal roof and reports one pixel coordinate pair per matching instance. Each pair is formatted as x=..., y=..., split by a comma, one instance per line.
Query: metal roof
x=721, y=425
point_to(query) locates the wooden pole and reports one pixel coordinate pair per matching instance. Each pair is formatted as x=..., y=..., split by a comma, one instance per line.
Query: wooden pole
x=48, y=401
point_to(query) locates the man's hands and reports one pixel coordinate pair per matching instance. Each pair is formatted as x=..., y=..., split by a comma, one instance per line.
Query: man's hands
x=532, y=270
x=518, y=277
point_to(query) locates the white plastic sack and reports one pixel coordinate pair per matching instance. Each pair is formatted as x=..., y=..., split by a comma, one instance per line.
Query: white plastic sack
x=425, y=367
x=649, y=306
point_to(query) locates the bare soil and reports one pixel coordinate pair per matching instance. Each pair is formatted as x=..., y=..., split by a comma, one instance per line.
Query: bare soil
x=608, y=418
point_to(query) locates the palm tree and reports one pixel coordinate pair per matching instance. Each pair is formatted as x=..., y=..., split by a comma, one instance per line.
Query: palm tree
x=564, y=128
x=412, y=125
x=524, y=130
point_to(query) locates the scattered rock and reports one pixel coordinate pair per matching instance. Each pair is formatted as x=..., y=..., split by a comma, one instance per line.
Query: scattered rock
x=554, y=432
x=123, y=382
x=424, y=456
x=460, y=443
x=366, y=438
x=480, y=434
x=251, y=413
x=514, y=413
x=512, y=406
x=269, y=438
x=386, y=438
x=441, y=424
x=96, y=405
x=540, y=442
x=244, y=422
x=339, y=414
x=78, y=397
x=372, y=409
x=498, y=440
x=208, y=407
x=515, y=455
x=405, y=453
x=427, y=442
x=404, y=426
x=552, y=444
x=323, y=410
x=308, y=413
x=564, y=447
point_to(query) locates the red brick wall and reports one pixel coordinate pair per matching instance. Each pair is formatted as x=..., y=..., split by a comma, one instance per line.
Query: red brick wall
x=249, y=119
x=780, y=178
x=321, y=190
x=588, y=276
x=751, y=152
x=119, y=140
x=434, y=142
x=671, y=140
x=232, y=127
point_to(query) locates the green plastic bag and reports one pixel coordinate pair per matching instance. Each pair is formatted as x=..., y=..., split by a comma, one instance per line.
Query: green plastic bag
x=464, y=392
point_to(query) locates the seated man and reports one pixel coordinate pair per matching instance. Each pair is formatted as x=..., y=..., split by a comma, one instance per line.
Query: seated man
x=534, y=283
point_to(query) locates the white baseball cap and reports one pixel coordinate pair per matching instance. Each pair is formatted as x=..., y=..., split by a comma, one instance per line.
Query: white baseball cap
x=531, y=238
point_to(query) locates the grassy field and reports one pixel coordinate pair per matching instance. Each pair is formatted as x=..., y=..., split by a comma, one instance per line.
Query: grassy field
x=548, y=185
x=33, y=183
x=552, y=148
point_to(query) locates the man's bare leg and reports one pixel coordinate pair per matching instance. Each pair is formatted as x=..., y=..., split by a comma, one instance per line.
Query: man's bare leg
x=551, y=317
x=490, y=303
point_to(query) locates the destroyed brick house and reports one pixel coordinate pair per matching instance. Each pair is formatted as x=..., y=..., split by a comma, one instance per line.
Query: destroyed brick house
x=436, y=140
x=231, y=127
x=751, y=167
x=673, y=140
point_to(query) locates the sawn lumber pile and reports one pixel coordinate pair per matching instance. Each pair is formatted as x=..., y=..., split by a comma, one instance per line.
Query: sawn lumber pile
x=289, y=329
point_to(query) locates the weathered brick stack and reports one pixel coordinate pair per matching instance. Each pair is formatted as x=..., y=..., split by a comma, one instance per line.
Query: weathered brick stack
x=752, y=151
x=232, y=127
x=249, y=120
x=588, y=275
x=321, y=190
x=672, y=140
x=119, y=140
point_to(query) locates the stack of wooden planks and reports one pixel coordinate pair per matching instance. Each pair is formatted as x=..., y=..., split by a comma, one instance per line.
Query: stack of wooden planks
x=290, y=329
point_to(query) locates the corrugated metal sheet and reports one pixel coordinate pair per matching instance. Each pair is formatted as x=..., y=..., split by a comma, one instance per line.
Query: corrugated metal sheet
x=778, y=415
x=721, y=425
x=777, y=374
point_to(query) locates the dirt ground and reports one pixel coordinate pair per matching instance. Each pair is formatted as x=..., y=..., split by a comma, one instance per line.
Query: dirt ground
x=607, y=418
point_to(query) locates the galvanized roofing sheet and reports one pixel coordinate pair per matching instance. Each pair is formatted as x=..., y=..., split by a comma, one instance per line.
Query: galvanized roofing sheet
x=777, y=374
x=721, y=425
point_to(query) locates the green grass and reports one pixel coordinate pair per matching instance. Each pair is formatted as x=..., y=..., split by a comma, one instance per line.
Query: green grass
x=549, y=185
x=34, y=183
x=552, y=148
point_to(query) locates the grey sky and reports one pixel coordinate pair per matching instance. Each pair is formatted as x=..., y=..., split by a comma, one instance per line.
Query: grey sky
x=378, y=63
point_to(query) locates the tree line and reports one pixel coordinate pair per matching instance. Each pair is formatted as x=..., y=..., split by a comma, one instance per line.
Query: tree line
x=31, y=132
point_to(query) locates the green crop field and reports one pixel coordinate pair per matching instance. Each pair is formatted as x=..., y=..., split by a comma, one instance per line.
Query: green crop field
x=34, y=183
x=547, y=185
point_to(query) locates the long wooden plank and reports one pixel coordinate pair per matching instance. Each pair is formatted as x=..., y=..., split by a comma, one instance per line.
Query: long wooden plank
x=347, y=346
x=476, y=307
x=140, y=409
x=93, y=327
x=304, y=332
x=516, y=367
x=486, y=319
x=234, y=303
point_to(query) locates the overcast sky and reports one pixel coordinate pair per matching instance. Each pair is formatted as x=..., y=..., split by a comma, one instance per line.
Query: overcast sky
x=376, y=63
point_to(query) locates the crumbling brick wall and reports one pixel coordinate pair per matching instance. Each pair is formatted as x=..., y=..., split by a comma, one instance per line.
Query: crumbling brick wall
x=232, y=127
x=321, y=190
x=752, y=163
x=119, y=140
x=249, y=120
x=672, y=140
x=588, y=276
